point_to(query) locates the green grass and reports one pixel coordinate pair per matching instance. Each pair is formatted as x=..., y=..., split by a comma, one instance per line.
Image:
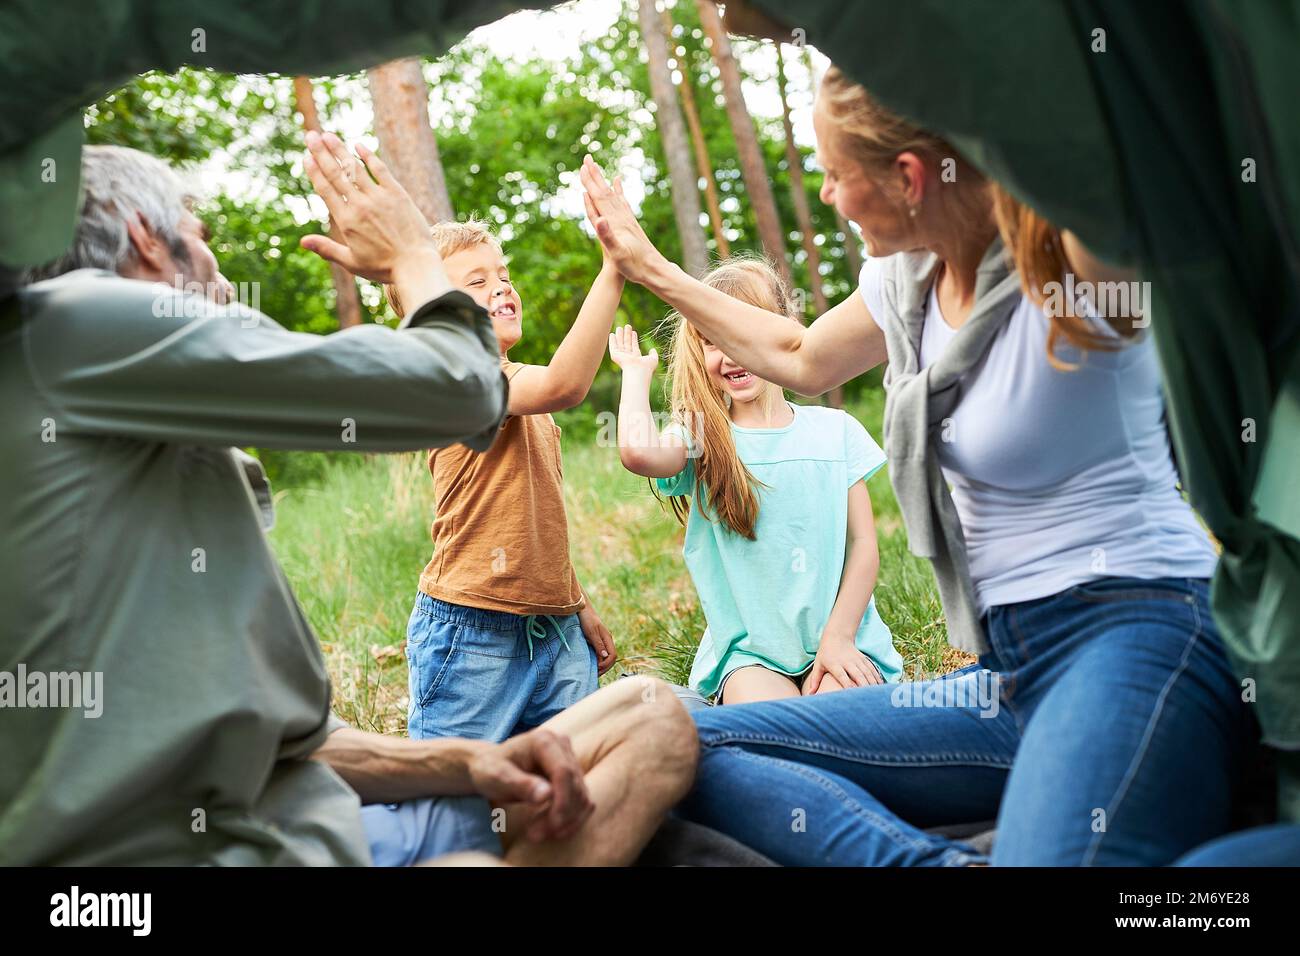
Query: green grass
x=353, y=534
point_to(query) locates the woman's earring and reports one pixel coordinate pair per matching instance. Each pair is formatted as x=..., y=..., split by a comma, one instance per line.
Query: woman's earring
x=911, y=211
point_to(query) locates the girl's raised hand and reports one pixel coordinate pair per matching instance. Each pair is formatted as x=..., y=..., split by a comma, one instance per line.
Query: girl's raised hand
x=625, y=351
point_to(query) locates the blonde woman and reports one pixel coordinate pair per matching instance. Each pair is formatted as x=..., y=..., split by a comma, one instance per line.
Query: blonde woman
x=780, y=538
x=1029, y=454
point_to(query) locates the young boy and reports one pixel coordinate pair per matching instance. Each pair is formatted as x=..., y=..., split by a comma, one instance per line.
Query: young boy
x=502, y=636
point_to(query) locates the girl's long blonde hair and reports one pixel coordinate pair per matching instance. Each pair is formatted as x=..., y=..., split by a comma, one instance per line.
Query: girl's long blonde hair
x=723, y=483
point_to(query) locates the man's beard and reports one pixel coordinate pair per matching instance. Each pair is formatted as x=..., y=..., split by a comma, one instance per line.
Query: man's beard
x=214, y=286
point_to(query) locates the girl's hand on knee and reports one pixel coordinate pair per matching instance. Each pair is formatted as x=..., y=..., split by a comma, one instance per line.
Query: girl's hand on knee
x=839, y=659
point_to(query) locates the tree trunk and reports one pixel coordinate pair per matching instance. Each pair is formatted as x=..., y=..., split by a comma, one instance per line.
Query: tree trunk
x=702, y=162
x=347, y=300
x=802, y=213
x=851, y=248
x=757, y=184
x=794, y=160
x=400, y=98
x=668, y=119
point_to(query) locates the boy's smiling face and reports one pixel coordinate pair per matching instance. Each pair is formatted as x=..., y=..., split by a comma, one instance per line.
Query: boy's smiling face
x=480, y=271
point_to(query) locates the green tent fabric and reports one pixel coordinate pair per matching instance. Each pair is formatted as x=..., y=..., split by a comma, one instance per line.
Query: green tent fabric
x=56, y=59
x=1175, y=148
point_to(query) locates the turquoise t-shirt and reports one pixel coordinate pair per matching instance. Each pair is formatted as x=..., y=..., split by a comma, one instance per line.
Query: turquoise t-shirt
x=767, y=600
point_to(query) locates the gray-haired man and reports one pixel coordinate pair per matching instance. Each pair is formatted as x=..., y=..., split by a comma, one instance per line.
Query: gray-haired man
x=135, y=554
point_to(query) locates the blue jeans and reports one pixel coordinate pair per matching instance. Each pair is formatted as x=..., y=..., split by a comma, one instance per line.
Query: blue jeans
x=490, y=675
x=1103, y=727
x=1276, y=845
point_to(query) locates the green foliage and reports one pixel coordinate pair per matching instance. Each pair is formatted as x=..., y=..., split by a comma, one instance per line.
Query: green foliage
x=258, y=242
x=184, y=117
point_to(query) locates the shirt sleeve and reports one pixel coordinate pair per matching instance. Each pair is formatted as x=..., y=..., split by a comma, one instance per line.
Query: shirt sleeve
x=333, y=723
x=871, y=286
x=133, y=359
x=863, y=455
x=682, y=483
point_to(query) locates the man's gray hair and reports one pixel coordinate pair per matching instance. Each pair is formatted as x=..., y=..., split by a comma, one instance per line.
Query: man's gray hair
x=117, y=184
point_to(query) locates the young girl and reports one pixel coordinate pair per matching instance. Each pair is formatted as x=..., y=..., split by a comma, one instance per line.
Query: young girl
x=781, y=542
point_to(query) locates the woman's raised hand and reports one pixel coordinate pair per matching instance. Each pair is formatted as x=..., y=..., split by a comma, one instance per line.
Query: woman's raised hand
x=625, y=352
x=624, y=241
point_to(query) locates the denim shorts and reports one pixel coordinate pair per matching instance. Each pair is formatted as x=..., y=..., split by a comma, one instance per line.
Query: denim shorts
x=489, y=675
x=404, y=834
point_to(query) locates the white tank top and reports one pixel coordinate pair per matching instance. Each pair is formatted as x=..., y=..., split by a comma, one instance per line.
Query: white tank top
x=1059, y=477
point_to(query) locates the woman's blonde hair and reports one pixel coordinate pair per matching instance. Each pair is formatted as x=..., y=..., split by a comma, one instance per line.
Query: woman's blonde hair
x=722, y=480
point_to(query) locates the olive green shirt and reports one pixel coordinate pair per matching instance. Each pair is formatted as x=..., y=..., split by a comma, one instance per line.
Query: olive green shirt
x=135, y=551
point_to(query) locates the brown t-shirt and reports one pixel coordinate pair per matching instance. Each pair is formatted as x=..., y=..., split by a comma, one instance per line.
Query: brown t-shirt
x=501, y=538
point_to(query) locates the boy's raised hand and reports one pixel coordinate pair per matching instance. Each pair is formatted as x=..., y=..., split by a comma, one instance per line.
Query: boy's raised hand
x=620, y=234
x=625, y=351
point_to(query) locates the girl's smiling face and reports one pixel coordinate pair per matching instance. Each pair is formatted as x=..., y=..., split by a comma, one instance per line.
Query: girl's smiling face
x=730, y=378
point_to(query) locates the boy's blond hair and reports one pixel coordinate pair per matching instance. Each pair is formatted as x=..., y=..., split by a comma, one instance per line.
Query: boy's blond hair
x=449, y=238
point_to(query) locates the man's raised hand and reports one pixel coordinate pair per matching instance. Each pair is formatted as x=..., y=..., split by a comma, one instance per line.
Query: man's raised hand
x=377, y=226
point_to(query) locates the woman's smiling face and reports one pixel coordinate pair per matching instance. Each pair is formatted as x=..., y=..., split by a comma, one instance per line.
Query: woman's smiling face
x=857, y=197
